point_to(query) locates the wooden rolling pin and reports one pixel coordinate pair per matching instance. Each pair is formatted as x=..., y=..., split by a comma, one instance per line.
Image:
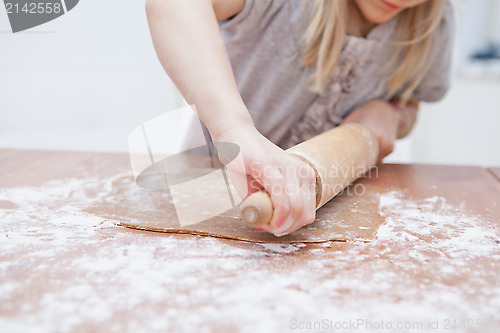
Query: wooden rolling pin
x=338, y=157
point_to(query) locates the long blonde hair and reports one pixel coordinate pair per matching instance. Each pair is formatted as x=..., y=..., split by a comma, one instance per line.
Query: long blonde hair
x=414, y=43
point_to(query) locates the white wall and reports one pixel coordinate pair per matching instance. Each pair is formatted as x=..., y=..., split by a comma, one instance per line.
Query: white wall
x=462, y=129
x=82, y=81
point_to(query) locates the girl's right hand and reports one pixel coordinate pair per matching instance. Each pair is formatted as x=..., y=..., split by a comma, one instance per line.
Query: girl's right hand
x=288, y=180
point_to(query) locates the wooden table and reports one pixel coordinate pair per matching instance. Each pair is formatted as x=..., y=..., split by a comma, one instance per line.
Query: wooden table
x=434, y=265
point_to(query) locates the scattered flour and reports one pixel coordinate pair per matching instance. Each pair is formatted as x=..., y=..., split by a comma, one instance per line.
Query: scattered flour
x=280, y=248
x=66, y=271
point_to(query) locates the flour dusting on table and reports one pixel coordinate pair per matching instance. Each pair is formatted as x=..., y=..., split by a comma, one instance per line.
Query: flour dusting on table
x=64, y=270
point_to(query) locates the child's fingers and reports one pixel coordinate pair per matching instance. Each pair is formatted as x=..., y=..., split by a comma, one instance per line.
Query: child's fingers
x=299, y=192
x=295, y=208
x=303, y=211
x=275, y=185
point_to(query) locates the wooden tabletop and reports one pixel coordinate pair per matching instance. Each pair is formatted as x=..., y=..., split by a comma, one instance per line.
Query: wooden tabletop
x=495, y=172
x=434, y=265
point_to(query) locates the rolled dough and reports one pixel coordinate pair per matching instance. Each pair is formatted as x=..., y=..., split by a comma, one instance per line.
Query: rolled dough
x=352, y=215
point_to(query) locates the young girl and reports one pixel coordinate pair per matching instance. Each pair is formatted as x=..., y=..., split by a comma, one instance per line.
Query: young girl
x=297, y=68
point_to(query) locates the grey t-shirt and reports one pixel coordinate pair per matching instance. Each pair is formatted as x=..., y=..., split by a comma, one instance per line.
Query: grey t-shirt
x=263, y=42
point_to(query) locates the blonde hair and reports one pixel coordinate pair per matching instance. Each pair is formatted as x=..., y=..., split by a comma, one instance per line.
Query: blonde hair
x=414, y=42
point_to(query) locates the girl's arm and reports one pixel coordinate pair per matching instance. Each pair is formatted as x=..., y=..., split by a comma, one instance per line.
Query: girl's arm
x=188, y=43
x=386, y=121
x=189, y=46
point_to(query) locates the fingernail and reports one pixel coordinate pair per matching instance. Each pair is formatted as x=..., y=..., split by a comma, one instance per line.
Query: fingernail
x=260, y=228
x=278, y=224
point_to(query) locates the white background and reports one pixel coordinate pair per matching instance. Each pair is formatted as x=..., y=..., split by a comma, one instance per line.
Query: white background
x=85, y=80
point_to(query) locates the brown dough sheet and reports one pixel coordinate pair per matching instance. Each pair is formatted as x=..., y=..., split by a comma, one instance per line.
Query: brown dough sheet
x=352, y=215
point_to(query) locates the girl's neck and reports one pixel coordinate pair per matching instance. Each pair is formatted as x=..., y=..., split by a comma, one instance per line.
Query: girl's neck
x=357, y=25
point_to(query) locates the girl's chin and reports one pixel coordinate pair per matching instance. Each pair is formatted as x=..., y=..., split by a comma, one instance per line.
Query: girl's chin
x=379, y=18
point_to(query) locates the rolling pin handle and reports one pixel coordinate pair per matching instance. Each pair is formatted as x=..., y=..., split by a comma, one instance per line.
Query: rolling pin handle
x=257, y=209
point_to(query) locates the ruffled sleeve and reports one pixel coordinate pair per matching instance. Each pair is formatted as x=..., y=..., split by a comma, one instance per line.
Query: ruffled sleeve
x=253, y=19
x=437, y=81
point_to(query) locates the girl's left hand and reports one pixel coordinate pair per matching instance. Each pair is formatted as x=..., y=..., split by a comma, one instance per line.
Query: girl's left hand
x=382, y=119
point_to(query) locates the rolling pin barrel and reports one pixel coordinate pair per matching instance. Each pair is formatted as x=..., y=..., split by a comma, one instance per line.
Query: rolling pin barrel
x=338, y=156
